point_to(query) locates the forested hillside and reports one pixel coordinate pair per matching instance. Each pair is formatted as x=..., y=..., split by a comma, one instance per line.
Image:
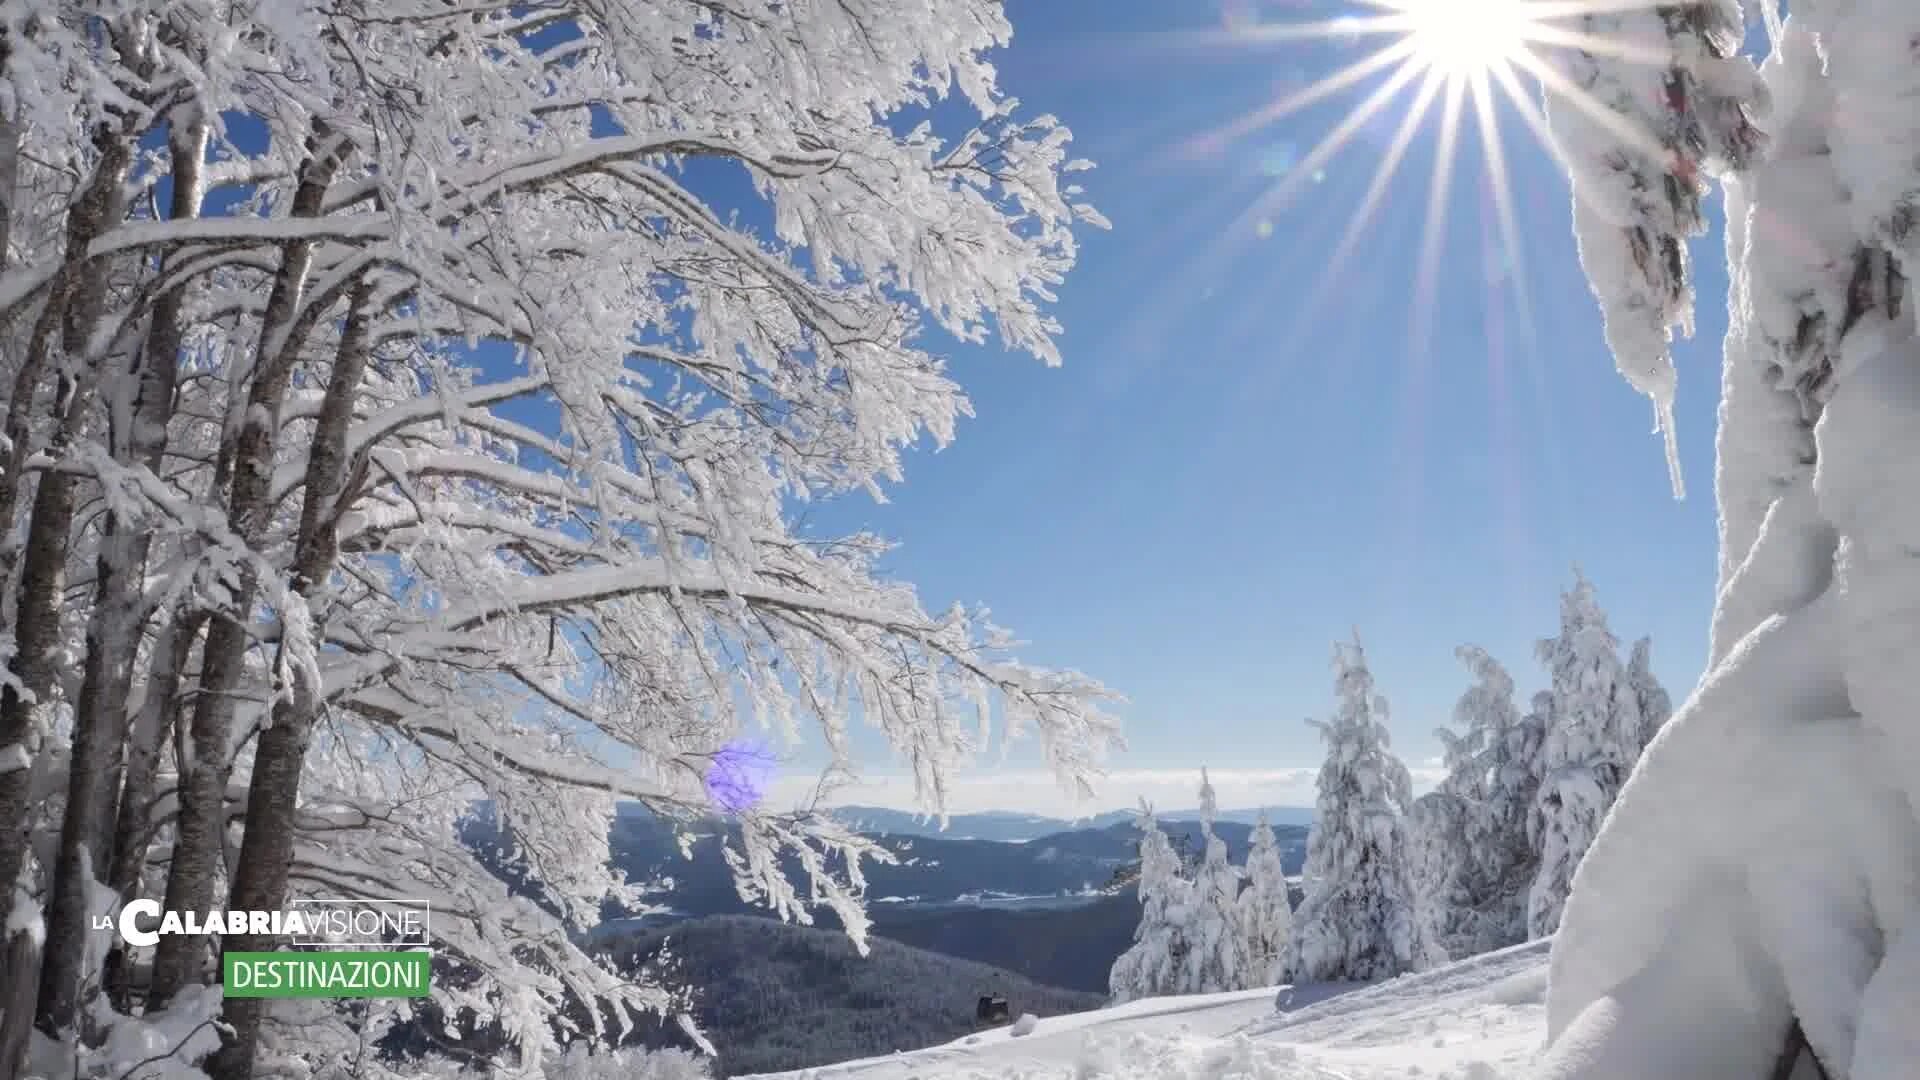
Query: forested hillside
x=776, y=996
x=1066, y=947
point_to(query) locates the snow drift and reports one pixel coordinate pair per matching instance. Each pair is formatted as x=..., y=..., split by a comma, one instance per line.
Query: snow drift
x=1480, y=1019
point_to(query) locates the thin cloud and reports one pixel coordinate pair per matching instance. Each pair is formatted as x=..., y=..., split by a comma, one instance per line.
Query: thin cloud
x=1036, y=791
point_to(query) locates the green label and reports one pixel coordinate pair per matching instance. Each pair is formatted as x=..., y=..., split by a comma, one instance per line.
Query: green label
x=325, y=974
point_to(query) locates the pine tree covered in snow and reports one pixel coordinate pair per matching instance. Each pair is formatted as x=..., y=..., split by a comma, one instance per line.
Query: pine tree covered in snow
x=1441, y=828
x=1357, y=920
x=1708, y=926
x=1160, y=957
x=1592, y=740
x=1473, y=860
x=1650, y=698
x=1266, y=915
x=1218, y=957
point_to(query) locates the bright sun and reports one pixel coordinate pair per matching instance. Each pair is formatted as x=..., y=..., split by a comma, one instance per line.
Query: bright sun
x=1478, y=63
x=1461, y=39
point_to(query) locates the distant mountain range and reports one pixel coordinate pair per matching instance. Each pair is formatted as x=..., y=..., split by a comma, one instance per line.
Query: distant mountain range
x=932, y=870
x=1016, y=828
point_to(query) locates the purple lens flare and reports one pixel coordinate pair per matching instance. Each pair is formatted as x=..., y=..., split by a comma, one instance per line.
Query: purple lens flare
x=740, y=775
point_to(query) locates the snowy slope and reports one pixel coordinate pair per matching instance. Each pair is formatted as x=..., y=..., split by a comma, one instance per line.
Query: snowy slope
x=1480, y=1019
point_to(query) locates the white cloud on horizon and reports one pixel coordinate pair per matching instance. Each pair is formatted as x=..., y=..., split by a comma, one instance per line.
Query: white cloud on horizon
x=1036, y=791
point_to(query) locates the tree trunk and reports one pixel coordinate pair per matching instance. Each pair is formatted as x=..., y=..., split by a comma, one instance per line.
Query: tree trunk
x=133, y=827
x=198, y=832
x=113, y=634
x=267, y=849
x=9, y=161
x=24, y=716
x=16, y=999
x=37, y=616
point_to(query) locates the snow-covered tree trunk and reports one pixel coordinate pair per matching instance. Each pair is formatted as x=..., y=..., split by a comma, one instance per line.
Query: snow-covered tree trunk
x=1690, y=946
x=138, y=435
x=266, y=851
x=26, y=699
x=160, y=709
x=67, y=339
x=200, y=830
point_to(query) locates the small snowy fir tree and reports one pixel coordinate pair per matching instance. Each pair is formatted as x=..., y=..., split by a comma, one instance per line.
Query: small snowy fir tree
x=1592, y=742
x=1218, y=959
x=1655, y=705
x=1266, y=918
x=1357, y=921
x=1157, y=961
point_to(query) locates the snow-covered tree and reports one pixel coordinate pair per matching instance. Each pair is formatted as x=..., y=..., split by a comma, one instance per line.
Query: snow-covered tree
x=404, y=410
x=1708, y=928
x=1651, y=699
x=1592, y=739
x=1218, y=957
x=1473, y=862
x=1441, y=830
x=1157, y=962
x=1511, y=757
x=1357, y=920
x=1266, y=915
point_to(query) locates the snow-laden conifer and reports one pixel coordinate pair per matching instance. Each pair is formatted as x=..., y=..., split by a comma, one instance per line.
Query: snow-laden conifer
x=1651, y=699
x=1357, y=920
x=1592, y=739
x=1157, y=962
x=1218, y=959
x=1473, y=862
x=1266, y=915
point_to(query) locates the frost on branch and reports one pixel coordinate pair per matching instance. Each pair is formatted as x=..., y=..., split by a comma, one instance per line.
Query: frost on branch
x=1660, y=101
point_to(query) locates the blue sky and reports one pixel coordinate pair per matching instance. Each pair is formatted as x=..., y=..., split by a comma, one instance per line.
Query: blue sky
x=1243, y=458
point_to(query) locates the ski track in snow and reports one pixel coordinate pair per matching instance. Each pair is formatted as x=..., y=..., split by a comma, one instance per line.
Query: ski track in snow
x=1479, y=1019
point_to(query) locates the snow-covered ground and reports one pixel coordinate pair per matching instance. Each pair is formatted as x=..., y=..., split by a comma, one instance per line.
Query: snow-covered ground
x=1480, y=1019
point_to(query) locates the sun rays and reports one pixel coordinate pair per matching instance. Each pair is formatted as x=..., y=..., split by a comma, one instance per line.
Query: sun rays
x=1459, y=40
x=1454, y=62
x=1439, y=75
